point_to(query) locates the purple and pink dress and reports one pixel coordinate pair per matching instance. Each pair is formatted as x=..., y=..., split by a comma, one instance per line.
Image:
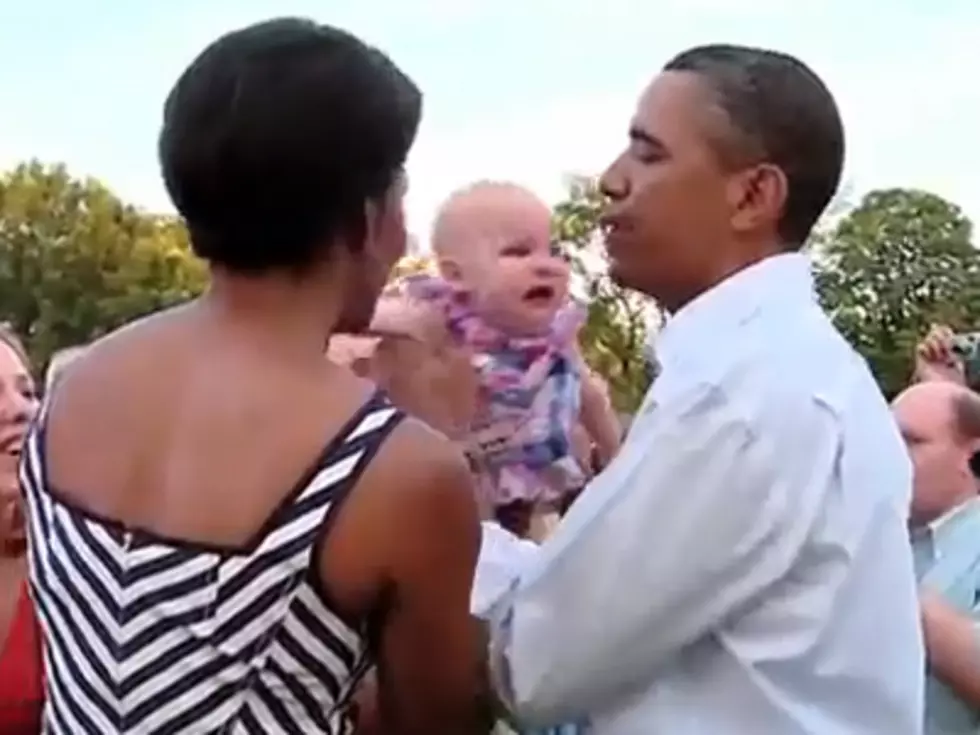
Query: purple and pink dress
x=529, y=398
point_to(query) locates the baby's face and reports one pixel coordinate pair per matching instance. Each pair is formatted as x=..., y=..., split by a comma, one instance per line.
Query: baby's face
x=517, y=278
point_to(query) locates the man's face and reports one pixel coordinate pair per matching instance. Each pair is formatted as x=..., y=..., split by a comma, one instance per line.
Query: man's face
x=676, y=210
x=940, y=458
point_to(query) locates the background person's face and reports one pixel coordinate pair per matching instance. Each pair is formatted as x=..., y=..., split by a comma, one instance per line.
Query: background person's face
x=18, y=403
x=940, y=459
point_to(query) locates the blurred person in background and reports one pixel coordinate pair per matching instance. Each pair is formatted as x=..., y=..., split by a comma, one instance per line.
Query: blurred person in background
x=940, y=422
x=21, y=690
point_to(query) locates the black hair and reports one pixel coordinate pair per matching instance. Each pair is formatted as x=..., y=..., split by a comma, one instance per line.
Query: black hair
x=276, y=136
x=782, y=113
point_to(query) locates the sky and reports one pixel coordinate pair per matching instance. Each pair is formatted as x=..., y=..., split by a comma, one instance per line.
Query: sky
x=527, y=90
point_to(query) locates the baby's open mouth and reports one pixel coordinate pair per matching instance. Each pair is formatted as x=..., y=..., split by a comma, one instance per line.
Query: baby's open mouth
x=539, y=294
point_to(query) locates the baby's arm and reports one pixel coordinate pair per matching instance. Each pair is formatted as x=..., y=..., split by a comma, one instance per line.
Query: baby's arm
x=598, y=417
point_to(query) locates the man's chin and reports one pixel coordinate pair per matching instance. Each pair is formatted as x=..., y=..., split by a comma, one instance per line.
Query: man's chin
x=619, y=275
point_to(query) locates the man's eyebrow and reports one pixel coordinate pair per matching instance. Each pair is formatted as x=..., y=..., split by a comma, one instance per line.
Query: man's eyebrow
x=639, y=135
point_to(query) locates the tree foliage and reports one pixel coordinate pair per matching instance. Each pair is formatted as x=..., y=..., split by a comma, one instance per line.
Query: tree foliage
x=412, y=265
x=76, y=262
x=614, y=336
x=898, y=262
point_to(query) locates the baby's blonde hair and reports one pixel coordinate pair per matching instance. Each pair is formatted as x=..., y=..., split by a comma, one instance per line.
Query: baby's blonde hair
x=449, y=220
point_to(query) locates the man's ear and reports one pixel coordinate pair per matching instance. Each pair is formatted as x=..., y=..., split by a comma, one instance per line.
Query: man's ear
x=757, y=196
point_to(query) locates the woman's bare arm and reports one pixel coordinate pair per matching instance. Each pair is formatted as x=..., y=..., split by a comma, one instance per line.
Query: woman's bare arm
x=432, y=674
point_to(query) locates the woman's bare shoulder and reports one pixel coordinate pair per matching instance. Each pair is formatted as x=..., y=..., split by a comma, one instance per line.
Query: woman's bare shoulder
x=422, y=461
x=111, y=359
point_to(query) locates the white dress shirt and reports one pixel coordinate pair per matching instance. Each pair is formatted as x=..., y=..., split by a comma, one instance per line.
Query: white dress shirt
x=743, y=565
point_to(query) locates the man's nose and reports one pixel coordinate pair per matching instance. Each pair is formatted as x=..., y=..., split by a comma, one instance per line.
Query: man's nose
x=613, y=183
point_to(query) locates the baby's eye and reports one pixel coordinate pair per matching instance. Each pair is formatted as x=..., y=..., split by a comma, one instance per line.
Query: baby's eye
x=516, y=251
x=558, y=250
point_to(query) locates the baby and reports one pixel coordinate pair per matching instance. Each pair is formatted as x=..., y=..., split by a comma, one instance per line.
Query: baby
x=502, y=296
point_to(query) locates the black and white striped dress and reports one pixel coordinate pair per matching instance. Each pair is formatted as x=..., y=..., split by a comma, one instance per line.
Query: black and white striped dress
x=155, y=636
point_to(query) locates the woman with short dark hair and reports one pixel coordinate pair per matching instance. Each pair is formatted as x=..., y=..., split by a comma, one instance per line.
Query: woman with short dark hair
x=228, y=529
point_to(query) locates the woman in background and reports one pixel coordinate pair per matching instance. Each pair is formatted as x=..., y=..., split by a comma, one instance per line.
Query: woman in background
x=21, y=692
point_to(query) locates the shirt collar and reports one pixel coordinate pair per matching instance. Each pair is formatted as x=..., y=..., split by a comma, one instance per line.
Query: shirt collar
x=936, y=529
x=779, y=278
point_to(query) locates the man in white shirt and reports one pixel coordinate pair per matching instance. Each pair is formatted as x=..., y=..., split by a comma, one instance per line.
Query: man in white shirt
x=743, y=565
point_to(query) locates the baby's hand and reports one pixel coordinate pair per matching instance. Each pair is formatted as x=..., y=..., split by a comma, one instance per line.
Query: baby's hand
x=352, y=351
x=398, y=315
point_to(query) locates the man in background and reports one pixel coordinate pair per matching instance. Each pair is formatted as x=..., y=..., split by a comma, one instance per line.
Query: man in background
x=940, y=421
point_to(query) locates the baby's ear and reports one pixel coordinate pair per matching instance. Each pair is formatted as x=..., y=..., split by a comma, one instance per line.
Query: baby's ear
x=450, y=270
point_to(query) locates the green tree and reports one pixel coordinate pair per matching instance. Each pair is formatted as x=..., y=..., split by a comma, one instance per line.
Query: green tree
x=614, y=336
x=76, y=262
x=898, y=262
x=412, y=265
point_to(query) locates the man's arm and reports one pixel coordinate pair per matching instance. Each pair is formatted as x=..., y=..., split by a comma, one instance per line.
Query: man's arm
x=952, y=641
x=704, y=513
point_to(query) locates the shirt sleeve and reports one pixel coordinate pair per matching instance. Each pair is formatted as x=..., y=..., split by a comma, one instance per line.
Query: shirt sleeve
x=502, y=557
x=706, y=507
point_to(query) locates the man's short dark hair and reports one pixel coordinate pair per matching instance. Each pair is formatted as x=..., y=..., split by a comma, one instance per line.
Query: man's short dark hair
x=779, y=112
x=276, y=136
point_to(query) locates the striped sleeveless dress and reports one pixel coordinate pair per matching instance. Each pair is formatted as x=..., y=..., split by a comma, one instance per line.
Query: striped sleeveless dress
x=149, y=635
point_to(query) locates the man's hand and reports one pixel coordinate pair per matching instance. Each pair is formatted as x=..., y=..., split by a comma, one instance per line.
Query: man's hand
x=935, y=359
x=952, y=648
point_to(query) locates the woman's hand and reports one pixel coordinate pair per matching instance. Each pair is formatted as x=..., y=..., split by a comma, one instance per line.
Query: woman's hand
x=433, y=380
